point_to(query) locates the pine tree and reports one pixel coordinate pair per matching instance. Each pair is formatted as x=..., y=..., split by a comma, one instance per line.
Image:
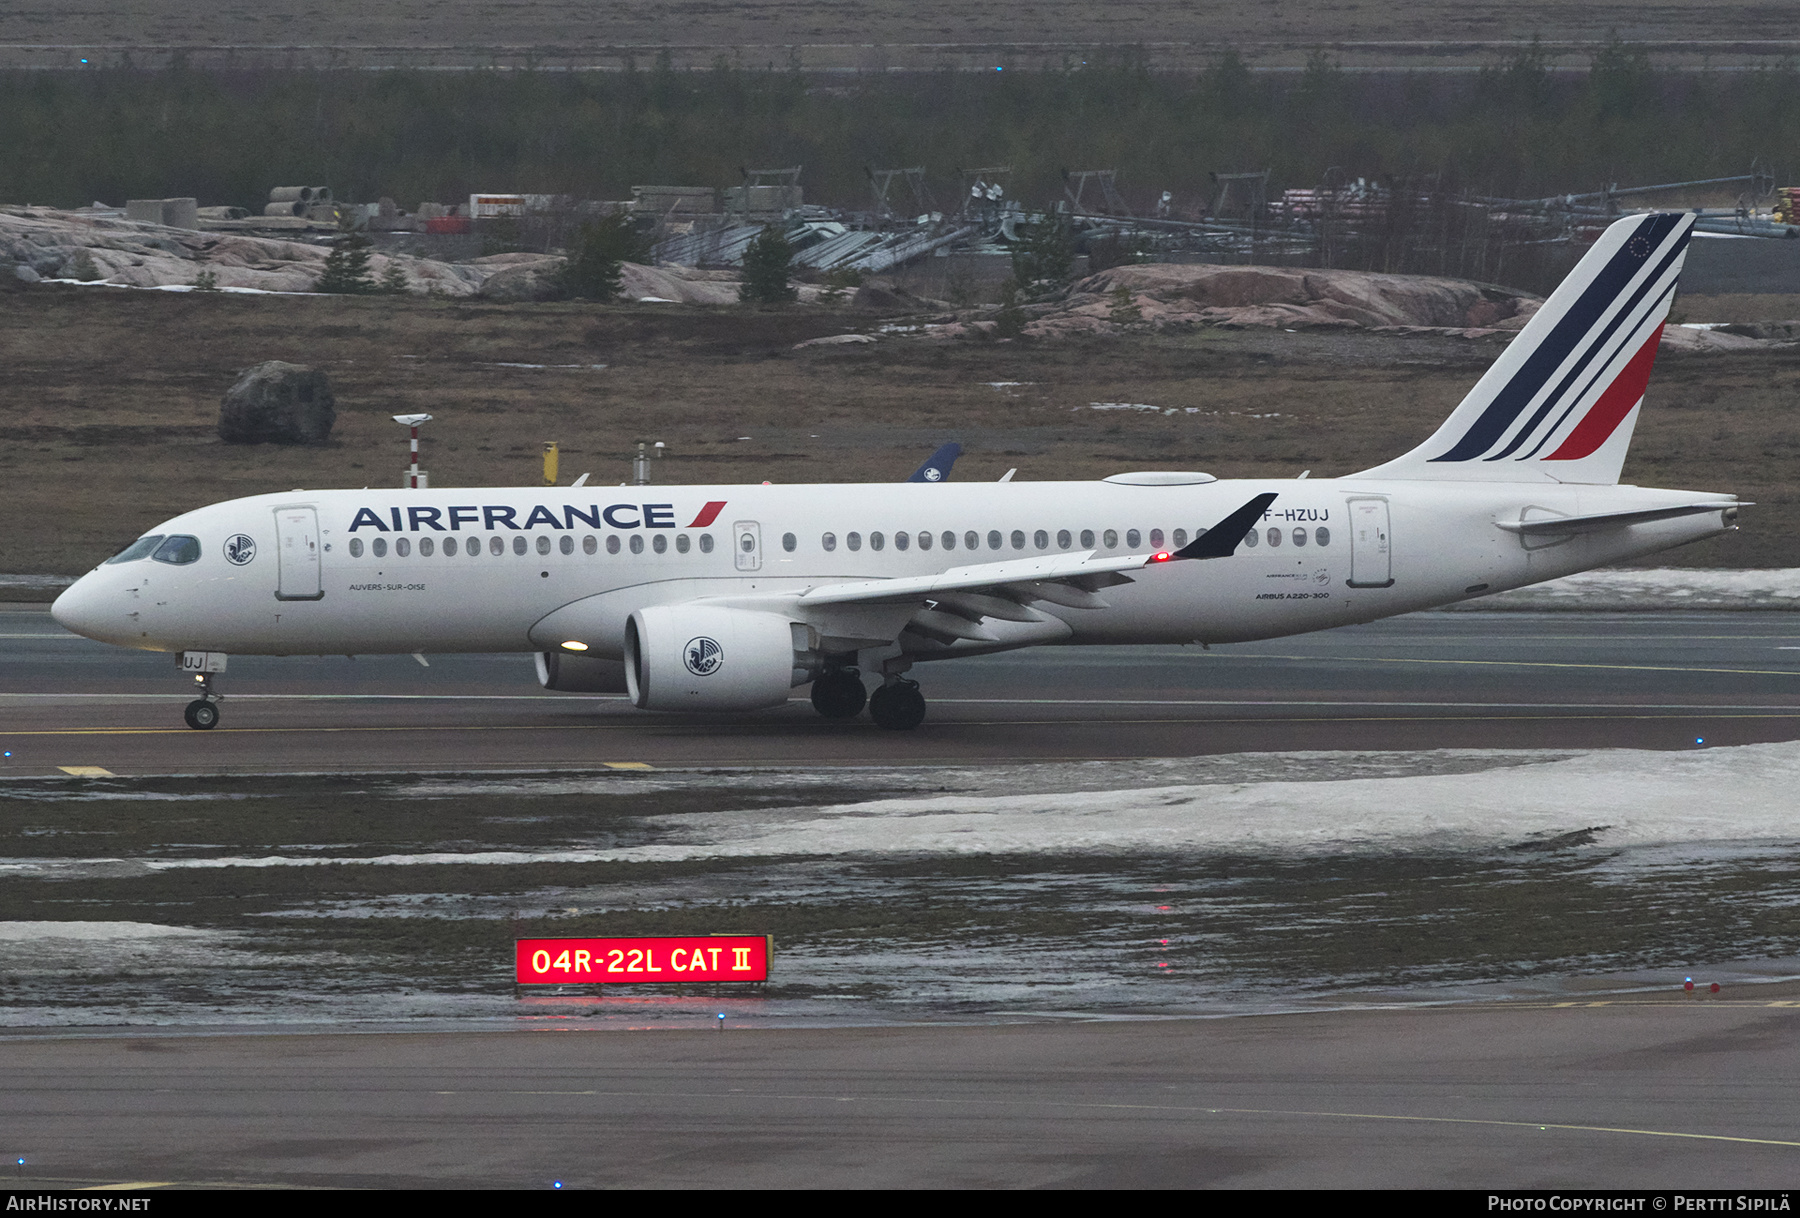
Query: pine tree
x=393, y=280
x=347, y=267
x=1045, y=259
x=596, y=264
x=766, y=263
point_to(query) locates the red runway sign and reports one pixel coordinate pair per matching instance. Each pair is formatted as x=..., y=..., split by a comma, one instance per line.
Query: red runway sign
x=662, y=958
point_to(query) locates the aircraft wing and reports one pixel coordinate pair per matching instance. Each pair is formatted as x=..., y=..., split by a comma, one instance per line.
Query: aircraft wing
x=987, y=606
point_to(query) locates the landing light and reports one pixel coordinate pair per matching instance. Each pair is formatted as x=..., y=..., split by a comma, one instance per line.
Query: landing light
x=572, y=645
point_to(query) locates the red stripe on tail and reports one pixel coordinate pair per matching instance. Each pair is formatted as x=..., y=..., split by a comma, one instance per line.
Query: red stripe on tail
x=708, y=514
x=1607, y=413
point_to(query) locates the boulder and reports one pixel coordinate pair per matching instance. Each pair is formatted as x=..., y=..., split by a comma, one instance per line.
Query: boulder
x=277, y=403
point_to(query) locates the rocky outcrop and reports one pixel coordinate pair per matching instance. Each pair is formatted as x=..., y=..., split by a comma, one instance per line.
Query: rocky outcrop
x=277, y=403
x=54, y=243
x=1289, y=298
x=520, y=276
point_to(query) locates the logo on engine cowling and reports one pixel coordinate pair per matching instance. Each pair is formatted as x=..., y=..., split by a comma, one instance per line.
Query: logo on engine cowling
x=703, y=656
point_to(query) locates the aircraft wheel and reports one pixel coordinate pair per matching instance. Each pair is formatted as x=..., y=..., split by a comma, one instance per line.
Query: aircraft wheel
x=899, y=707
x=839, y=695
x=201, y=714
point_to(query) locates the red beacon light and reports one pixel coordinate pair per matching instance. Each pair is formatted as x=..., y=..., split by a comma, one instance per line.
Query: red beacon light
x=1159, y=556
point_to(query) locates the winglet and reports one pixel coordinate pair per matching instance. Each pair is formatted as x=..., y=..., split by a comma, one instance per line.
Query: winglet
x=937, y=465
x=1222, y=539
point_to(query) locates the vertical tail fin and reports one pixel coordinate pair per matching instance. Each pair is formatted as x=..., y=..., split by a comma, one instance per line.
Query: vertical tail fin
x=1561, y=403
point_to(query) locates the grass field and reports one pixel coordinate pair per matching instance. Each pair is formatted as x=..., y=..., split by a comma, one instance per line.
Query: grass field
x=110, y=401
x=875, y=35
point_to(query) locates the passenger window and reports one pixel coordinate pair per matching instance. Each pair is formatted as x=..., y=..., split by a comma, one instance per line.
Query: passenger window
x=496, y=546
x=1274, y=536
x=682, y=542
x=519, y=546
x=1063, y=540
x=590, y=544
x=1250, y=539
x=143, y=547
x=1322, y=536
x=543, y=545
x=1110, y=539
x=1156, y=539
x=902, y=540
x=566, y=544
x=1041, y=540
x=1018, y=539
x=378, y=547
x=660, y=543
x=853, y=540
x=179, y=550
x=971, y=540
x=402, y=547
x=612, y=544
x=924, y=541
x=949, y=540
x=1299, y=537
x=706, y=543
x=356, y=548
x=993, y=539
x=426, y=546
x=1087, y=539
x=1181, y=537
x=449, y=547
x=789, y=542
x=876, y=541
x=828, y=542
x=637, y=543
x=1132, y=539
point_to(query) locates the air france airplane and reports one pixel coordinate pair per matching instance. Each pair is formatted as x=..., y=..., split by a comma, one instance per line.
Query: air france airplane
x=726, y=598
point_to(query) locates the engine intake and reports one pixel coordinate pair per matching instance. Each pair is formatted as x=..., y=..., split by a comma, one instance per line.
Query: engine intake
x=705, y=658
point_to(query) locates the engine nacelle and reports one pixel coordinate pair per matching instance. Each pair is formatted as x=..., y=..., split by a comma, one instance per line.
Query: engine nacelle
x=579, y=674
x=706, y=658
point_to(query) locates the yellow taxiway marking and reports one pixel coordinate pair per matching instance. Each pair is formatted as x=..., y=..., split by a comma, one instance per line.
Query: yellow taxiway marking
x=87, y=771
x=623, y=725
x=627, y=765
x=109, y=1188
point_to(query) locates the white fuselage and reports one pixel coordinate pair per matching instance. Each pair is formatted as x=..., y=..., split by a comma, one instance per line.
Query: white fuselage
x=567, y=555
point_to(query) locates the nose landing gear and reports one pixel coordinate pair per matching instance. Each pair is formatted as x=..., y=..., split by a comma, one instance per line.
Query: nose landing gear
x=203, y=712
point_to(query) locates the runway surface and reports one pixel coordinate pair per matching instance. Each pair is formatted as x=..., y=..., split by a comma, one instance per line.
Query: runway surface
x=1677, y=1094
x=1435, y=680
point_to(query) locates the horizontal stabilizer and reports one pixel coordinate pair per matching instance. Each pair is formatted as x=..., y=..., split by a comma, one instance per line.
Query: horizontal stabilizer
x=1613, y=520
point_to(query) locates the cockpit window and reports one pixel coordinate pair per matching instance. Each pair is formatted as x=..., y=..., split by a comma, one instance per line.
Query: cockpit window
x=178, y=550
x=138, y=549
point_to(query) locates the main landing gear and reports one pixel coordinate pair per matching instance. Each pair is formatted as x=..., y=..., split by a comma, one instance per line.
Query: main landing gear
x=897, y=705
x=203, y=712
x=838, y=694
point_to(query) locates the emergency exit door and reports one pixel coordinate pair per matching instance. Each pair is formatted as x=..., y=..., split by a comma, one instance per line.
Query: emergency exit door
x=746, y=545
x=297, y=555
x=1371, y=558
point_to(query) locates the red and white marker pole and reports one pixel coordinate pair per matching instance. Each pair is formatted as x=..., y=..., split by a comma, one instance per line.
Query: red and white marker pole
x=413, y=421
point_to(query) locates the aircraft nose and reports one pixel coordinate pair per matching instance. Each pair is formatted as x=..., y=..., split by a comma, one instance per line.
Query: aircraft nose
x=80, y=607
